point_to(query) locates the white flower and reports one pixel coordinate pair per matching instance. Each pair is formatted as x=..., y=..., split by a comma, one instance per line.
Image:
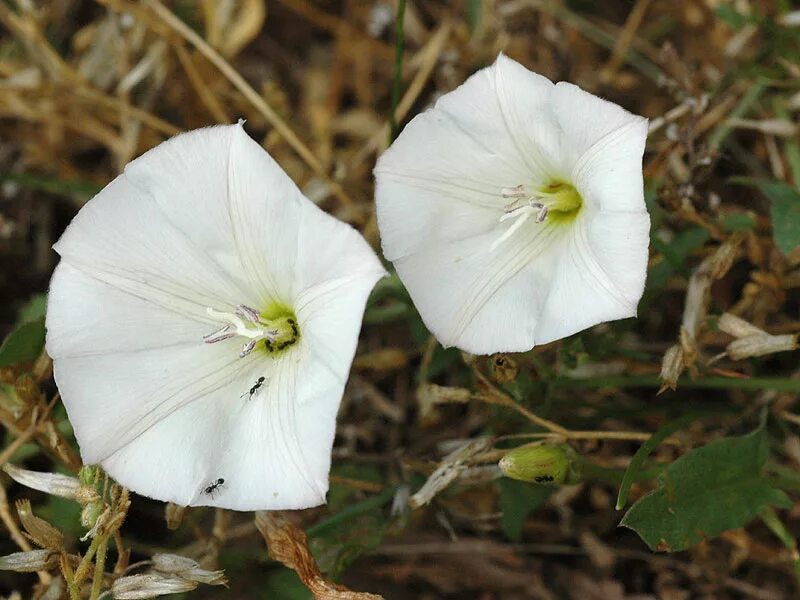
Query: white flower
x=514, y=211
x=202, y=322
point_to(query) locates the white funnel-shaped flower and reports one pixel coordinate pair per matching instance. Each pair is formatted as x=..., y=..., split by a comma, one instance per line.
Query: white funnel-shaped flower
x=514, y=211
x=202, y=322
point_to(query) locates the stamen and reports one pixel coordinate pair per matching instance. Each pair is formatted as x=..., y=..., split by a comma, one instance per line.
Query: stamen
x=248, y=323
x=248, y=348
x=515, y=192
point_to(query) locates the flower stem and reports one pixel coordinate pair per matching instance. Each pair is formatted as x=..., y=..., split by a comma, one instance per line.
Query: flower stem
x=99, y=567
x=399, y=49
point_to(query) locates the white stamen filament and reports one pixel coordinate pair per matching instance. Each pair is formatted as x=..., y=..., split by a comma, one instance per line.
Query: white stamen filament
x=254, y=331
x=521, y=209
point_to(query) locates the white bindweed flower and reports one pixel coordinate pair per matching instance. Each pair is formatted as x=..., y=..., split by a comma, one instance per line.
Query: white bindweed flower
x=202, y=322
x=514, y=211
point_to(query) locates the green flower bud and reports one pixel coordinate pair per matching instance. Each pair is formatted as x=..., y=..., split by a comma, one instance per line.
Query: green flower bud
x=90, y=513
x=540, y=463
x=90, y=474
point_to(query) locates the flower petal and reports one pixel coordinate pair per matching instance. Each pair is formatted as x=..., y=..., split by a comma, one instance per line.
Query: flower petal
x=86, y=316
x=600, y=275
x=272, y=449
x=122, y=238
x=449, y=164
x=483, y=300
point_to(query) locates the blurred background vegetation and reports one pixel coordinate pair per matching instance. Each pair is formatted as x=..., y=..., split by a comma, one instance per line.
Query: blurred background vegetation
x=86, y=86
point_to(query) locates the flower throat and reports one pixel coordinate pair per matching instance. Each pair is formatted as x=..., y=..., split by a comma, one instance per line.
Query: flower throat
x=557, y=203
x=272, y=331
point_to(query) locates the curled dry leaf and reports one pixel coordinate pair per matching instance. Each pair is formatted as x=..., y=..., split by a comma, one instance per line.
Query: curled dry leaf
x=42, y=533
x=288, y=544
x=698, y=295
x=449, y=470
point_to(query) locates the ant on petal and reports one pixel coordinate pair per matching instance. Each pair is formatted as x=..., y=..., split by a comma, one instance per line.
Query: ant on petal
x=259, y=382
x=214, y=486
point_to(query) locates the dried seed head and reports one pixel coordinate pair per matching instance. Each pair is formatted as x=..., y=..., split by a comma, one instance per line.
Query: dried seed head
x=138, y=587
x=42, y=533
x=671, y=368
x=54, y=484
x=761, y=345
x=174, y=515
x=30, y=561
x=737, y=327
x=172, y=564
x=539, y=463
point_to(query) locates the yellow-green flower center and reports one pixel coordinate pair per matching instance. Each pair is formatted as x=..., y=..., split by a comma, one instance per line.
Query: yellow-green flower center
x=272, y=330
x=280, y=320
x=562, y=200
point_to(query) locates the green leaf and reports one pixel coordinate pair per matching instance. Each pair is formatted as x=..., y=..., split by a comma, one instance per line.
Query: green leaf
x=24, y=343
x=785, y=213
x=518, y=500
x=705, y=492
x=632, y=472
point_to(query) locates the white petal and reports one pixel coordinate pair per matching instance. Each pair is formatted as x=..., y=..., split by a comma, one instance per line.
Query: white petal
x=483, y=300
x=600, y=275
x=122, y=238
x=272, y=449
x=112, y=399
x=266, y=215
x=450, y=164
x=88, y=317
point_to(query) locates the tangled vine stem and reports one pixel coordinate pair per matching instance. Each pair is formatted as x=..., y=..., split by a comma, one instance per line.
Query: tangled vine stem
x=493, y=395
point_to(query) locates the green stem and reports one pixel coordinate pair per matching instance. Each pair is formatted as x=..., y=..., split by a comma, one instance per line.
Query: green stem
x=752, y=384
x=399, y=48
x=99, y=568
x=351, y=512
x=83, y=568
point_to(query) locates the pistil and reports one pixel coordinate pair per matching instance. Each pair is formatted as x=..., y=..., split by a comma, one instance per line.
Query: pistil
x=248, y=323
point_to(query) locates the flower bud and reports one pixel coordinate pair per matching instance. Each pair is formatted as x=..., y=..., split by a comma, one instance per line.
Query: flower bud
x=30, y=561
x=539, y=463
x=90, y=474
x=91, y=513
x=137, y=587
x=49, y=483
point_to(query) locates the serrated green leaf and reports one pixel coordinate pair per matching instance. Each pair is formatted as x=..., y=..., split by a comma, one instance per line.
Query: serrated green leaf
x=518, y=500
x=705, y=492
x=785, y=202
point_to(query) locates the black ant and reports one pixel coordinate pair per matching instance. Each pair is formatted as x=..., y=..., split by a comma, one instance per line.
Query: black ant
x=210, y=489
x=258, y=384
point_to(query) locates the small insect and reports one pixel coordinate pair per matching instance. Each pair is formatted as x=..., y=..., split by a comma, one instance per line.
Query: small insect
x=259, y=382
x=544, y=479
x=214, y=486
